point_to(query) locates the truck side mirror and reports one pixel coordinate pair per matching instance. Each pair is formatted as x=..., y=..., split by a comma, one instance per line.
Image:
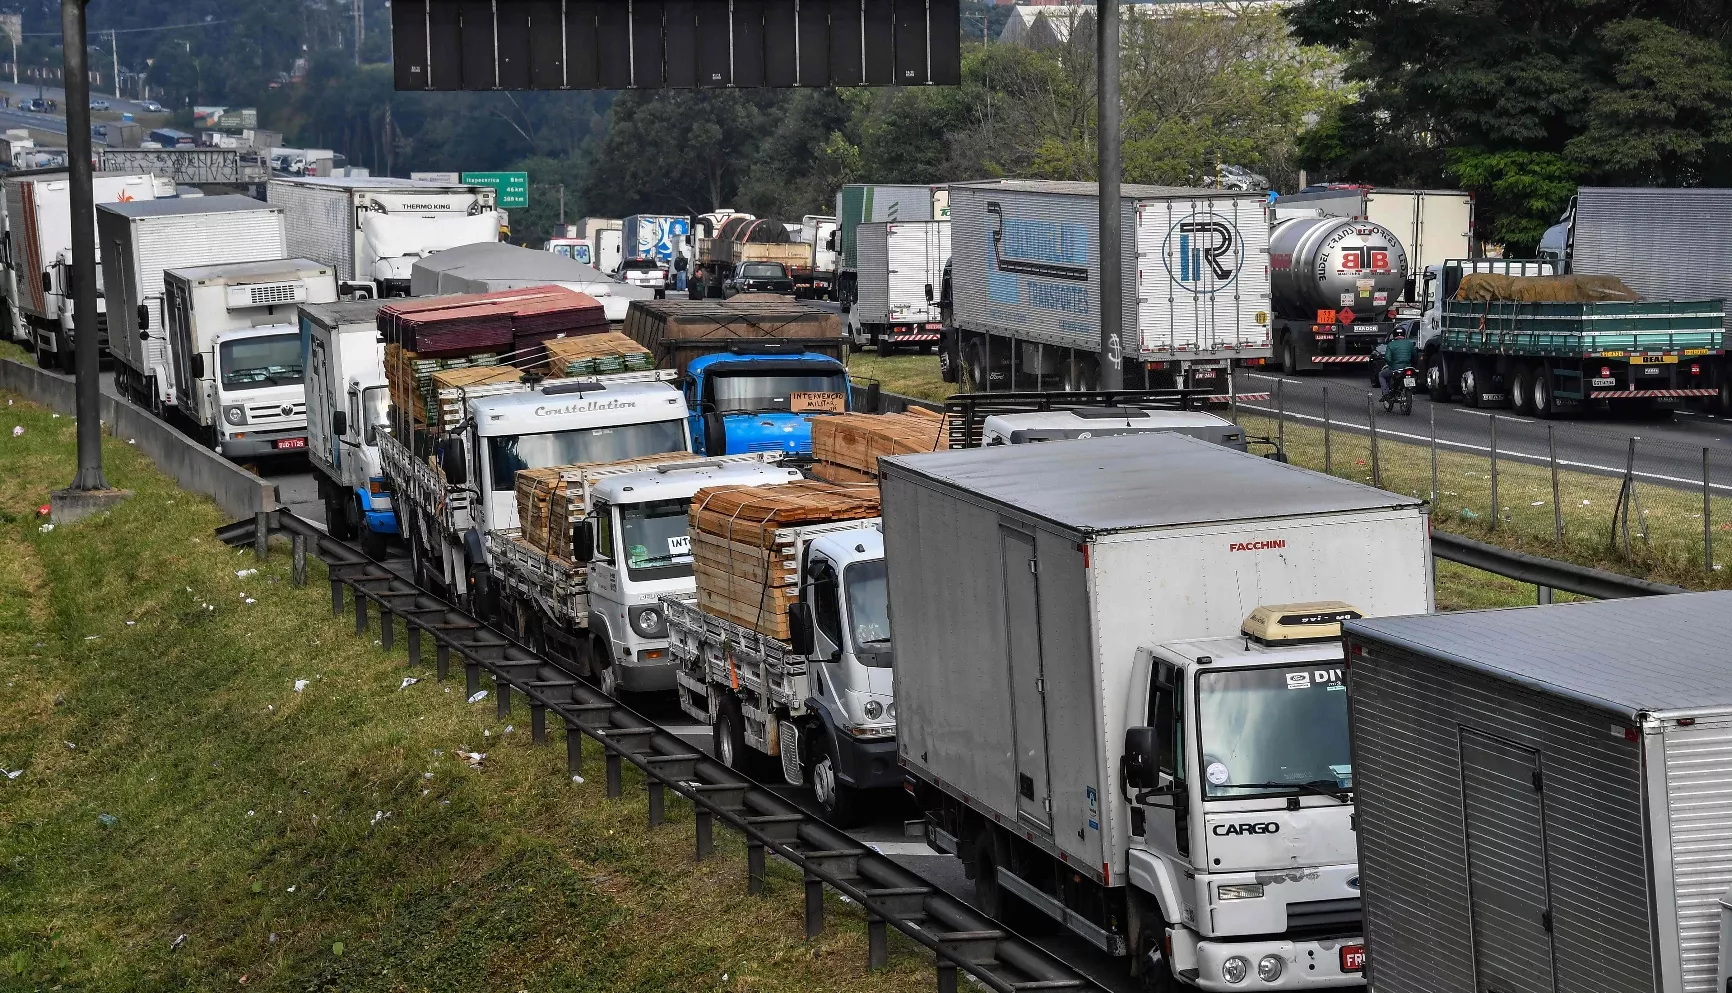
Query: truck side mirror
x=800, y=627
x=47, y=281
x=715, y=435
x=339, y=422
x=451, y=461
x=583, y=541
x=928, y=292
x=1141, y=748
x=198, y=367
x=144, y=317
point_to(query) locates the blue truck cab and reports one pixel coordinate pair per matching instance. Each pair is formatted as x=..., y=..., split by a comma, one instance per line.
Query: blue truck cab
x=762, y=397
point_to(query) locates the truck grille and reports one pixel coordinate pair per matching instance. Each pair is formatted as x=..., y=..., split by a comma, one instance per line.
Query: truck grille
x=263, y=413
x=1341, y=917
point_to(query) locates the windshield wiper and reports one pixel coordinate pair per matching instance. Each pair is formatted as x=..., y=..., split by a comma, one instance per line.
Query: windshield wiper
x=1316, y=787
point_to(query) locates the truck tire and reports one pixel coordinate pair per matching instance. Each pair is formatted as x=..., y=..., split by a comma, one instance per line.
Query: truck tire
x=728, y=737
x=337, y=518
x=1521, y=396
x=974, y=366
x=886, y=347
x=994, y=900
x=1289, y=357
x=1437, y=378
x=1470, y=384
x=373, y=543
x=1545, y=401
x=841, y=804
x=1156, y=978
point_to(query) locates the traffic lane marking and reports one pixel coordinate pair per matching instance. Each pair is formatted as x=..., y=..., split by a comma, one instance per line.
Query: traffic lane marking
x=1501, y=453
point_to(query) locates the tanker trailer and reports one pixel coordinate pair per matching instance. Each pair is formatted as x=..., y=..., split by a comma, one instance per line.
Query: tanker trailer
x=1334, y=283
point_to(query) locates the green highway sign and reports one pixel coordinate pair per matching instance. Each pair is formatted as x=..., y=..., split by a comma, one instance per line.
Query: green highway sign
x=512, y=187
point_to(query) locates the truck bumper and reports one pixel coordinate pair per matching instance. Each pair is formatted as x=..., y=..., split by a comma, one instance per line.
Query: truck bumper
x=647, y=677
x=867, y=765
x=256, y=446
x=1306, y=965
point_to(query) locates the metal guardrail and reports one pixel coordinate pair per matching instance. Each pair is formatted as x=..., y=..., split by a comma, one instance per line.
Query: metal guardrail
x=960, y=938
x=1525, y=568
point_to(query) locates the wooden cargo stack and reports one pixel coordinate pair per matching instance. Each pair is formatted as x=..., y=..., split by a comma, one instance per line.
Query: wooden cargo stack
x=677, y=331
x=746, y=558
x=846, y=447
x=596, y=355
x=550, y=501
x=410, y=378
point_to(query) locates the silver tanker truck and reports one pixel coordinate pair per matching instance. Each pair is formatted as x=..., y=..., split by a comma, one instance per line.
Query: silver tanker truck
x=1334, y=283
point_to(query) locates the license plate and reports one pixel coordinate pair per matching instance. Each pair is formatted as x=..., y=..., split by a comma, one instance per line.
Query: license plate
x=281, y=443
x=1605, y=382
x=1352, y=958
x=935, y=327
x=1367, y=327
x=1407, y=381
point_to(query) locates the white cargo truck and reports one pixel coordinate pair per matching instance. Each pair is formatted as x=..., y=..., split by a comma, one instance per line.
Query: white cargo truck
x=1543, y=799
x=348, y=403
x=38, y=252
x=1063, y=609
x=238, y=368
x=1026, y=284
x=819, y=281
x=1433, y=226
x=872, y=203
x=447, y=504
x=373, y=230
x=137, y=242
x=818, y=709
x=898, y=282
x=601, y=612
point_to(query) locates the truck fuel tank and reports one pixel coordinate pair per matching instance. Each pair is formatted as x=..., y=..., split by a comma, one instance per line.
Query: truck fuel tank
x=1334, y=263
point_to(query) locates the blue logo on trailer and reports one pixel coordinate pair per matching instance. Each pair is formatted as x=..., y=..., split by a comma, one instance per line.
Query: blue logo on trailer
x=1203, y=252
x=1055, y=255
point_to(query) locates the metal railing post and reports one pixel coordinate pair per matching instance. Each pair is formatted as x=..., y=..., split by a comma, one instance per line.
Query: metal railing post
x=298, y=559
x=1281, y=418
x=261, y=534
x=1707, y=518
x=1328, y=456
x=1557, y=506
x=1495, y=511
x=1371, y=426
x=1433, y=409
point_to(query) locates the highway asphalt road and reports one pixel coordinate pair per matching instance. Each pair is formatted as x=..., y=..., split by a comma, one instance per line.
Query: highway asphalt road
x=1669, y=452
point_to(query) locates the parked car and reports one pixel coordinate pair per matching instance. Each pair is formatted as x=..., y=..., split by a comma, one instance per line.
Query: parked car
x=98, y=104
x=759, y=277
x=1232, y=177
x=35, y=105
x=152, y=107
x=649, y=273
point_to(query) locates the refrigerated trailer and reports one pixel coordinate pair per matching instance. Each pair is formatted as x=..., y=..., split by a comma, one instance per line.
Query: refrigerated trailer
x=1543, y=799
x=1050, y=599
x=1025, y=284
x=899, y=282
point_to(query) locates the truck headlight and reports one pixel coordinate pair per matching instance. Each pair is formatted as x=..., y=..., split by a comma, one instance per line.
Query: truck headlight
x=1239, y=891
x=648, y=621
x=874, y=710
x=1269, y=968
x=1234, y=969
x=235, y=414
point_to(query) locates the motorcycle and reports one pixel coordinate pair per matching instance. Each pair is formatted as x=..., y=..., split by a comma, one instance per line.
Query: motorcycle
x=1400, y=393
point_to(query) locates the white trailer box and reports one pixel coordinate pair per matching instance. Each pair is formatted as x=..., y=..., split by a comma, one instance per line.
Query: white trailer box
x=1025, y=578
x=238, y=368
x=1543, y=798
x=345, y=361
x=39, y=248
x=1195, y=272
x=489, y=266
x=373, y=230
x=138, y=241
x=1433, y=225
x=900, y=283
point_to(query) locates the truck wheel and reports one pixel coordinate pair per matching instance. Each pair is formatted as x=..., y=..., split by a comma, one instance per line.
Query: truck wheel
x=974, y=364
x=1289, y=358
x=728, y=737
x=1521, y=391
x=1545, y=403
x=1470, y=386
x=1158, y=977
x=337, y=519
x=886, y=347
x=373, y=543
x=997, y=902
x=609, y=678
x=1437, y=379
x=841, y=804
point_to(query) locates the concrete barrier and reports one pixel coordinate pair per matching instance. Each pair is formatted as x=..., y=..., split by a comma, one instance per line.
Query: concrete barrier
x=238, y=492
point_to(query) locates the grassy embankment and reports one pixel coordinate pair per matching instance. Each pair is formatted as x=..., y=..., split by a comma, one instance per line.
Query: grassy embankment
x=1672, y=552
x=181, y=818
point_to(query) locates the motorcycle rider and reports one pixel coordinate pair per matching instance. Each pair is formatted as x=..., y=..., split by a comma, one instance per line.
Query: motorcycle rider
x=1396, y=354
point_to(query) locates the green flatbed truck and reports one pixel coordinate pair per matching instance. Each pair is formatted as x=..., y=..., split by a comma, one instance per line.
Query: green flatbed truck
x=1540, y=358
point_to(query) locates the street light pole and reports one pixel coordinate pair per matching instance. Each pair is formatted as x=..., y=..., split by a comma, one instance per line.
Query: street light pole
x=89, y=382
x=1112, y=375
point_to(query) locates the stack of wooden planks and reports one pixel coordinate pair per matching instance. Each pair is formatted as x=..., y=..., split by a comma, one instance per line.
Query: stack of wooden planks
x=550, y=501
x=410, y=378
x=846, y=447
x=450, y=409
x=598, y=354
x=745, y=550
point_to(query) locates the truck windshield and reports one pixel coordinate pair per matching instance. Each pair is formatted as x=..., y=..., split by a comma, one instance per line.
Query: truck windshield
x=656, y=539
x=1274, y=731
x=614, y=443
x=869, y=608
x=770, y=392
x=274, y=360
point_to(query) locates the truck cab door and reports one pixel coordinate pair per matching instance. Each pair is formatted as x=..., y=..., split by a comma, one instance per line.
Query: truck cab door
x=824, y=593
x=1166, y=820
x=1027, y=676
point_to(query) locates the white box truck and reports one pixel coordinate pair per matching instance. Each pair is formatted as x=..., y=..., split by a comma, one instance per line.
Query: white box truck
x=1434, y=226
x=819, y=279
x=1026, y=284
x=1060, y=609
x=238, y=368
x=1543, y=796
x=373, y=230
x=348, y=404
x=137, y=242
x=38, y=251
x=899, y=281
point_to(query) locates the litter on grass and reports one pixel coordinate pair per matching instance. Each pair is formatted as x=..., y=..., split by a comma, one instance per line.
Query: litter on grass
x=408, y=681
x=244, y=573
x=300, y=684
x=17, y=430
x=478, y=696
